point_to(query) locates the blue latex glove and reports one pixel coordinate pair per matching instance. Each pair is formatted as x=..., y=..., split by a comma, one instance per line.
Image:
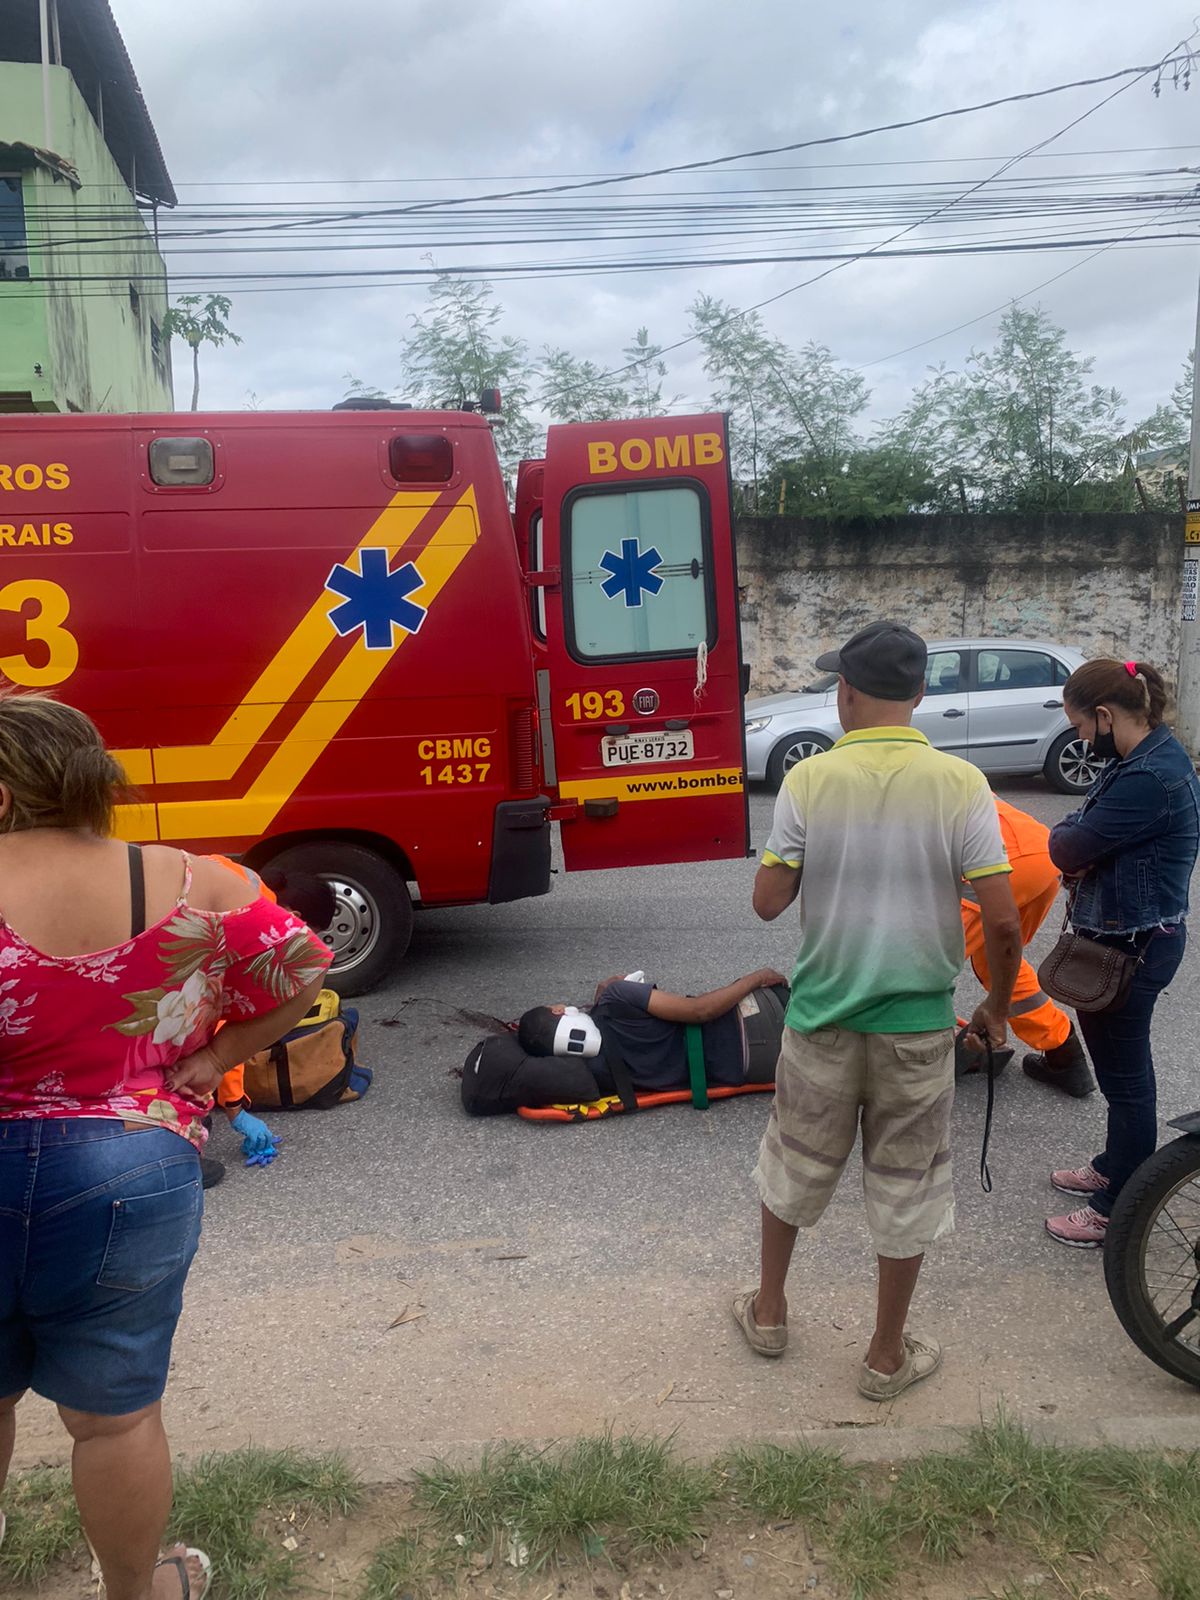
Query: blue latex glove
x=257, y=1138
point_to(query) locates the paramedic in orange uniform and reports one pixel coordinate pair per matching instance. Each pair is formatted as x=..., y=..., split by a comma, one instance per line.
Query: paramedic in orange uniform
x=1058, y=1057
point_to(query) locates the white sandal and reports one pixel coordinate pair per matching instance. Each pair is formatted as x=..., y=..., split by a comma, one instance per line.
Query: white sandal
x=180, y=1565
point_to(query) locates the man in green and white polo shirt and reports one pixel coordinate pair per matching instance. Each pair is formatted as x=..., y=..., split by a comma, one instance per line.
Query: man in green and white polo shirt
x=875, y=838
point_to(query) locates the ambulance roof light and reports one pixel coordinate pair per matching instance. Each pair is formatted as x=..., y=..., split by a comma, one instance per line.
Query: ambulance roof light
x=371, y=402
x=489, y=402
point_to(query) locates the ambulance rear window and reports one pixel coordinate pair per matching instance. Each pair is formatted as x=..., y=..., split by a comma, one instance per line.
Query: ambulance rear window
x=175, y=462
x=639, y=564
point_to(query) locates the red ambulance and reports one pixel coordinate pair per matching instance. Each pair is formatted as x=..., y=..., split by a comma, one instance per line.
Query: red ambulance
x=322, y=640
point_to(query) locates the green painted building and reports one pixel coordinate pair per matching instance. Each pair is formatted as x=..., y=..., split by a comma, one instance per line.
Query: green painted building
x=83, y=288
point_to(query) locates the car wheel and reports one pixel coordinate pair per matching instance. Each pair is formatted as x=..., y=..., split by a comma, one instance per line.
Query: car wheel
x=373, y=923
x=796, y=747
x=1072, y=767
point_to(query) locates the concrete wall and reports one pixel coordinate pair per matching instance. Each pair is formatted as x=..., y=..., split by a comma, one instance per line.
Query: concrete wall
x=1108, y=583
x=95, y=350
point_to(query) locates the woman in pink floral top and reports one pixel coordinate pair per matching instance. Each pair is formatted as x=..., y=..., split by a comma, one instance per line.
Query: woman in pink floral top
x=116, y=967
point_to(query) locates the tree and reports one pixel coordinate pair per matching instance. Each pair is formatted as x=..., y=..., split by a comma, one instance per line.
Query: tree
x=456, y=350
x=793, y=406
x=579, y=391
x=917, y=438
x=1024, y=430
x=1170, y=426
x=198, y=321
x=874, y=480
x=820, y=406
x=645, y=398
x=742, y=360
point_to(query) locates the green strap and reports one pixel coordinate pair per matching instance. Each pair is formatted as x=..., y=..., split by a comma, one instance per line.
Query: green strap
x=696, y=1072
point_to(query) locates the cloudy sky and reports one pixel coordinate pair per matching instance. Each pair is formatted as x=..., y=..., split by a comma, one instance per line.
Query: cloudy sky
x=404, y=99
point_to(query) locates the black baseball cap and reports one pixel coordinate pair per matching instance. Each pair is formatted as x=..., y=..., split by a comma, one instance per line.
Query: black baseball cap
x=885, y=660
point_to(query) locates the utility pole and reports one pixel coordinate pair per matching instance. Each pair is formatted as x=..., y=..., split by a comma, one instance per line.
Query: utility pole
x=44, y=29
x=1188, y=721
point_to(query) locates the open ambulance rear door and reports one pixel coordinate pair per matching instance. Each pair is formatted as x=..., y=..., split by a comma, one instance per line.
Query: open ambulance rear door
x=641, y=696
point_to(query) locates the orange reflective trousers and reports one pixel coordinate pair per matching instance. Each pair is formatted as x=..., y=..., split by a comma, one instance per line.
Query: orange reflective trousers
x=1032, y=1015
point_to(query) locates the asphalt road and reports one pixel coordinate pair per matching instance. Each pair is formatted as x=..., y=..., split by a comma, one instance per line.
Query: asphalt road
x=554, y=1279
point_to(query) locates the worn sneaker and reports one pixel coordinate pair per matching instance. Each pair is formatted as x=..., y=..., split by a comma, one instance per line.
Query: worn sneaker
x=1064, y=1068
x=1079, y=1180
x=768, y=1341
x=921, y=1358
x=1082, y=1230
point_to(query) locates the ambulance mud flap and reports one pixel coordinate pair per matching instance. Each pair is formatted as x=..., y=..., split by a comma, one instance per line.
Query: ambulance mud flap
x=520, y=850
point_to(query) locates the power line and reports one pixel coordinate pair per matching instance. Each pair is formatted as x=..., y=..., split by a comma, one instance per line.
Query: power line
x=1157, y=67
x=532, y=275
x=995, y=310
x=1181, y=61
x=243, y=282
x=523, y=177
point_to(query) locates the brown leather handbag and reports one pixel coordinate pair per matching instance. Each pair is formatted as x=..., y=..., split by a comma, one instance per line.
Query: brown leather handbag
x=1085, y=974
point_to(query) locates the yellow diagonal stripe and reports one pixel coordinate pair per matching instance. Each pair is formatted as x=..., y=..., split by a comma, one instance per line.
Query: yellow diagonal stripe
x=251, y=814
x=286, y=671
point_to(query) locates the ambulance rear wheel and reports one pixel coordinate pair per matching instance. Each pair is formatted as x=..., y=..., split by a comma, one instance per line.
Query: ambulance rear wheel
x=373, y=923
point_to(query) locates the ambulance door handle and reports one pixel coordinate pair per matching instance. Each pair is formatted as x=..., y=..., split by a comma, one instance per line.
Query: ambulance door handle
x=601, y=808
x=676, y=724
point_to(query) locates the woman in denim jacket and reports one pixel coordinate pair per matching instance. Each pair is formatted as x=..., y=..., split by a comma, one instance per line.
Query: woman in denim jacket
x=1130, y=850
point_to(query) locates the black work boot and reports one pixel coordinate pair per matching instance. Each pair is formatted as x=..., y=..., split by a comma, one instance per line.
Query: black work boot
x=211, y=1172
x=967, y=1060
x=1065, y=1067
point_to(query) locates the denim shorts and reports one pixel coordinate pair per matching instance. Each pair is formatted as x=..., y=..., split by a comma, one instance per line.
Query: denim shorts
x=98, y=1227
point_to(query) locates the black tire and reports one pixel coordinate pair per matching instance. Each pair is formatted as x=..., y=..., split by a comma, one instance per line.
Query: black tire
x=795, y=747
x=1152, y=1257
x=371, y=930
x=1070, y=766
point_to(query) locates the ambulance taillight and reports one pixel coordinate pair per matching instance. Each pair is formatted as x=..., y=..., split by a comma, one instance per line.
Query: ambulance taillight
x=421, y=458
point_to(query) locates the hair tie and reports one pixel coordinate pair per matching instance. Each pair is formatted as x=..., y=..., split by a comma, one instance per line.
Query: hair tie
x=1131, y=668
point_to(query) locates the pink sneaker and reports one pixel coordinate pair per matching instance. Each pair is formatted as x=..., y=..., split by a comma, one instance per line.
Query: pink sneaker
x=1082, y=1230
x=1079, y=1180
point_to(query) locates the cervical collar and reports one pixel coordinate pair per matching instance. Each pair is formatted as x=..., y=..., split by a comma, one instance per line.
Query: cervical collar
x=576, y=1035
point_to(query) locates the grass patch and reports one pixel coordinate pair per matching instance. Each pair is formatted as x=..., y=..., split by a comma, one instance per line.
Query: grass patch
x=1163, y=1489
x=405, y=1565
x=1175, y=1569
x=1005, y=1497
x=788, y=1482
x=43, y=1524
x=573, y=1499
x=864, y=1546
x=1009, y=1483
x=221, y=1502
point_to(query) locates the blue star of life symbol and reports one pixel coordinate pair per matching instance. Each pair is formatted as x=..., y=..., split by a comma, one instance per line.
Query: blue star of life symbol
x=376, y=600
x=632, y=571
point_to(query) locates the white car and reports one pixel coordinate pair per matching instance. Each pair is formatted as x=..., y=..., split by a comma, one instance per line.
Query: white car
x=995, y=702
